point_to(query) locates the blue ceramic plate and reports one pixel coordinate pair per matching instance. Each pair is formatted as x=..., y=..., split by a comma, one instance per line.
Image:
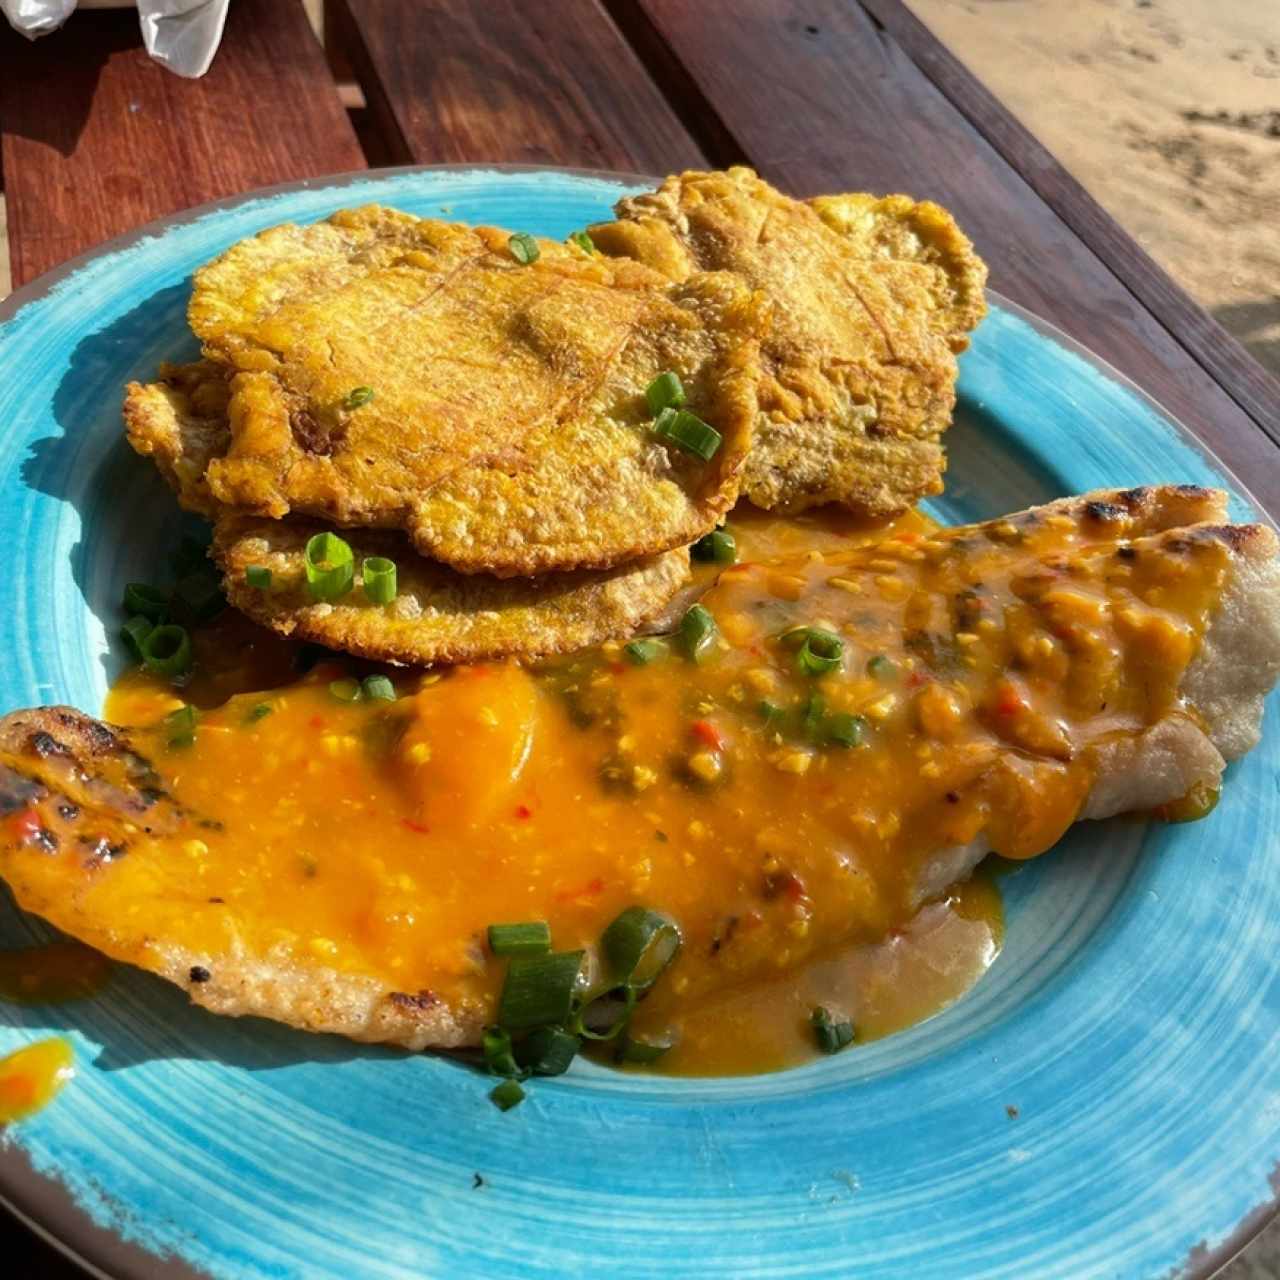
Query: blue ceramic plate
x=1133, y=1020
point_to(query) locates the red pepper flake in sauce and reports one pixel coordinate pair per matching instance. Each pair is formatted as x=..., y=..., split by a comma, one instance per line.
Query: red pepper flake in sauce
x=523, y=811
x=420, y=827
x=708, y=734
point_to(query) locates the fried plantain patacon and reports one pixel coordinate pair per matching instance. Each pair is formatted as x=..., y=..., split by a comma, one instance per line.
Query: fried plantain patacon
x=481, y=391
x=872, y=299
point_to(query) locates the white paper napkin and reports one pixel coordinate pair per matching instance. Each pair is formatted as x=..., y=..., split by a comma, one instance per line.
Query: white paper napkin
x=183, y=35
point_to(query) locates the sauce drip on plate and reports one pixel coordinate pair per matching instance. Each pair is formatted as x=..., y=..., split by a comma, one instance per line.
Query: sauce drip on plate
x=33, y=1076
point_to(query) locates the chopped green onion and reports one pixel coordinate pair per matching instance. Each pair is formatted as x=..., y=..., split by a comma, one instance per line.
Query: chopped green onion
x=606, y=1015
x=771, y=713
x=638, y=946
x=259, y=711
x=181, y=726
x=330, y=566
x=538, y=991
x=583, y=241
x=506, y=1095
x=881, y=667
x=548, y=1051
x=644, y=651
x=345, y=690
x=697, y=631
x=520, y=939
x=845, y=729
x=689, y=432
x=666, y=391
x=201, y=594
x=379, y=576
x=150, y=602
x=630, y=1049
x=719, y=547
x=358, y=397
x=135, y=631
x=524, y=248
x=831, y=1035
x=495, y=1043
x=811, y=718
x=378, y=689
x=820, y=652
x=258, y=576
x=167, y=650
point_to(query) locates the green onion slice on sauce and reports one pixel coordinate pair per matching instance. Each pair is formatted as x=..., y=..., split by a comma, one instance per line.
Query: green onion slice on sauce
x=881, y=667
x=666, y=391
x=379, y=575
x=524, y=248
x=605, y=1016
x=646, y=650
x=181, y=726
x=506, y=1095
x=845, y=729
x=548, y=1051
x=697, y=631
x=638, y=946
x=150, y=602
x=330, y=566
x=166, y=650
x=538, y=991
x=378, y=689
x=135, y=631
x=358, y=397
x=345, y=690
x=831, y=1033
x=533, y=938
x=258, y=577
x=820, y=650
x=717, y=547
x=259, y=711
x=583, y=241
x=689, y=432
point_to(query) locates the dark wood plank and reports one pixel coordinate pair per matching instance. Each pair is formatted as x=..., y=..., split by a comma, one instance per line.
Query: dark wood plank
x=502, y=80
x=95, y=138
x=1232, y=367
x=821, y=98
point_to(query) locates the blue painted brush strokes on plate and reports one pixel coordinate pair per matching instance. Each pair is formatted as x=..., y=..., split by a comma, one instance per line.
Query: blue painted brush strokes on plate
x=1132, y=1019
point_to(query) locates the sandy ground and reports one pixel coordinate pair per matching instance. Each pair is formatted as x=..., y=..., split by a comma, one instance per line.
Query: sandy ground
x=1169, y=112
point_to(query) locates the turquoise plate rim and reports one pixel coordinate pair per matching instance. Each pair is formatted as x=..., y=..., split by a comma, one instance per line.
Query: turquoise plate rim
x=44, y=1203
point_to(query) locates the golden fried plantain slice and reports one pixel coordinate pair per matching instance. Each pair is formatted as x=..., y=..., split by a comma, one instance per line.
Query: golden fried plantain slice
x=438, y=615
x=500, y=416
x=871, y=300
x=180, y=423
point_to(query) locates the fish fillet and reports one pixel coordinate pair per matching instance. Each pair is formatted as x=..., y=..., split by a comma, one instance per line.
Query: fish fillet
x=77, y=796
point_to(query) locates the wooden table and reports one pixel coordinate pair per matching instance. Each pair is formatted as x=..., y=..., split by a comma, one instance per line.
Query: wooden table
x=819, y=95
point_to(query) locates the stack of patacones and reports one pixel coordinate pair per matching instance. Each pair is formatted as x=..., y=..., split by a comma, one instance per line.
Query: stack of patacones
x=422, y=442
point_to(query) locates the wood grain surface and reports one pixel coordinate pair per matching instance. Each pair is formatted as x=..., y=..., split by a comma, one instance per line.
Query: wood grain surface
x=509, y=81
x=95, y=138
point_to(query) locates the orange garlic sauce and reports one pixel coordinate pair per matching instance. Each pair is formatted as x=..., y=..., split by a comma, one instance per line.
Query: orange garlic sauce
x=33, y=1076
x=784, y=817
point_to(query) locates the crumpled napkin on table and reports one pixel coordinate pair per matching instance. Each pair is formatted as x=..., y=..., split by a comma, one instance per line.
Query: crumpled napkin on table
x=183, y=35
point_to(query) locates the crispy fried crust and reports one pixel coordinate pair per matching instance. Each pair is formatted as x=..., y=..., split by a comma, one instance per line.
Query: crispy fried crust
x=871, y=299
x=507, y=432
x=180, y=423
x=439, y=615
